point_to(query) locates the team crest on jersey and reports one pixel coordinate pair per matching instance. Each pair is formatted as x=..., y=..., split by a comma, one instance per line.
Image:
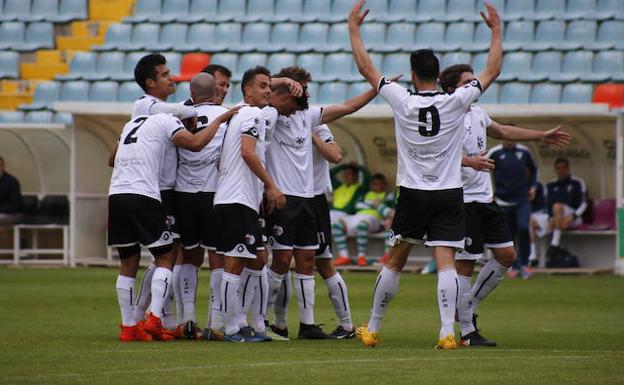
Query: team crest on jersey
x=480, y=142
x=569, y=188
x=267, y=122
x=256, y=121
x=250, y=239
x=519, y=154
x=278, y=230
x=300, y=140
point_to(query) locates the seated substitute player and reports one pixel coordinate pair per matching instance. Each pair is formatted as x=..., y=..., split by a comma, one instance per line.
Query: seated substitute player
x=538, y=208
x=135, y=212
x=429, y=127
x=293, y=228
x=486, y=225
x=565, y=203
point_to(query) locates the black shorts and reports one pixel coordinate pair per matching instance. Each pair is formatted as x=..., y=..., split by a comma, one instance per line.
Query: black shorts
x=196, y=219
x=439, y=214
x=137, y=219
x=168, y=202
x=486, y=226
x=239, y=233
x=294, y=226
x=262, y=225
x=323, y=234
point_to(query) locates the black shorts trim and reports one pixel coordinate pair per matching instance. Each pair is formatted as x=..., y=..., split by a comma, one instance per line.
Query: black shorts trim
x=239, y=233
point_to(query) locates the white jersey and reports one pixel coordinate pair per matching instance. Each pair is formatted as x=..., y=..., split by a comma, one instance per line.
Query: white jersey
x=197, y=171
x=140, y=154
x=289, y=157
x=477, y=184
x=237, y=183
x=167, y=176
x=429, y=129
x=322, y=179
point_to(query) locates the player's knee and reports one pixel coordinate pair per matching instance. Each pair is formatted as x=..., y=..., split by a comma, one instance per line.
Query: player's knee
x=558, y=208
x=506, y=256
x=324, y=267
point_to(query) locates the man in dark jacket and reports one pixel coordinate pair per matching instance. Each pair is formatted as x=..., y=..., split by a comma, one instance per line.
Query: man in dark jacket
x=10, y=197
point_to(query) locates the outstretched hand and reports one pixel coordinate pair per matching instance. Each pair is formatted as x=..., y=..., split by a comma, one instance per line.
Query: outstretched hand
x=557, y=137
x=492, y=19
x=356, y=16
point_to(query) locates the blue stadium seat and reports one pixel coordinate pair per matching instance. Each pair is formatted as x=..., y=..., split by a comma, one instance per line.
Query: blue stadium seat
x=108, y=65
x=339, y=11
x=481, y=41
x=544, y=64
x=396, y=63
x=490, y=96
x=608, y=9
x=514, y=93
x=129, y=92
x=144, y=36
x=374, y=34
x=312, y=36
x=314, y=10
x=518, y=34
x=75, y=91
x=579, y=34
x=46, y=93
x=9, y=65
x=358, y=88
x=226, y=36
x=515, y=10
x=63, y=118
x=313, y=63
x=337, y=39
x=11, y=116
x=82, y=64
x=130, y=62
x=11, y=35
x=144, y=10
x=577, y=93
x=400, y=10
x=313, y=91
x=287, y=10
x=549, y=34
x=260, y=10
x=339, y=67
x=458, y=35
x=277, y=61
x=547, y=9
x=256, y=37
x=182, y=92
x=43, y=10
x=247, y=61
x=577, y=9
x=117, y=34
x=38, y=35
x=609, y=36
x=105, y=91
x=398, y=36
x=200, y=36
x=460, y=10
x=70, y=10
x=499, y=4
x=610, y=63
x=229, y=60
x=377, y=59
x=235, y=94
x=546, y=93
x=201, y=10
x=284, y=36
x=577, y=65
x=40, y=117
x=174, y=59
x=430, y=10
x=429, y=35
x=172, y=10
x=478, y=62
x=172, y=35
x=230, y=10
x=515, y=65
x=14, y=10
x=332, y=93
x=452, y=58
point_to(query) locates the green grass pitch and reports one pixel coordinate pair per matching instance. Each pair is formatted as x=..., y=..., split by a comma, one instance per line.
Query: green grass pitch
x=60, y=327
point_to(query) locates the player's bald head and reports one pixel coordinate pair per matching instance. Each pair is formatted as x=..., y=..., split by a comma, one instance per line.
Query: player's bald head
x=203, y=87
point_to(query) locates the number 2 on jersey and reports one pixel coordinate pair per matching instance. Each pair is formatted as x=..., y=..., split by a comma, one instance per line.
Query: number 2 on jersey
x=130, y=138
x=429, y=128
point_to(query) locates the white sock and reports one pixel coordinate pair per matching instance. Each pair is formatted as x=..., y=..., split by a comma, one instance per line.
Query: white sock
x=145, y=293
x=533, y=254
x=259, y=303
x=487, y=280
x=447, y=301
x=188, y=286
x=464, y=305
x=177, y=292
x=339, y=297
x=556, y=238
x=167, y=317
x=249, y=281
x=125, y=293
x=386, y=288
x=230, y=284
x=304, y=287
x=215, y=316
x=282, y=302
x=275, y=284
x=160, y=284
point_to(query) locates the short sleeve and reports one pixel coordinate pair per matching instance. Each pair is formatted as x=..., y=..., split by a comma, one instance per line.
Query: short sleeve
x=172, y=126
x=469, y=93
x=392, y=92
x=324, y=133
x=250, y=126
x=313, y=115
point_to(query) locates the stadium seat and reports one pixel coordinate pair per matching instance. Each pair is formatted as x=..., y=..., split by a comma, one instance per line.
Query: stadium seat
x=43, y=10
x=288, y=10
x=577, y=65
x=515, y=10
x=478, y=62
x=452, y=58
x=333, y=92
x=172, y=10
x=200, y=11
x=15, y=10
x=481, y=39
x=200, y=37
x=396, y=63
x=547, y=9
x=313, y=63
x=576, y=93
x=610, y=63
x=144, y=10
x=144, y=36
x=608, y=9
x=314, y=10
x=284, y=35
x=11, y=117
x=107, y=66
x=129, y=92
x=235, y=94
x=603, y=217
x=260, y=10
x=356, y=89
x=313, y=91
x=430, y=10
x=9, y=65
x=228, y=60
x=374, y=34
x=549, y=34
x=38, y=117
x=517, y=34
x=339, y=66
x=75, y=91
x=515, y=66
x=460, y=10
x=70, y=10
x=277, y=61
x=130, y=62
x=577, y=9
x=81, y=65
x=490, y=96
x=458, y=35
x=63, y=118
x=226, y=36
x=174, y=62
x=377, y=59
x=312, y=36
x=117, y=34
x=428, y=36
x=609, y=93
x=398, y=36
x=53, y=209
x=11, y=35
x=105, y=91
x=579, y=34
x=337, y=39
x=544, y=64
x=609, y=35
x=247, y=61
x=38, y=35
x=231, y=10
x=192, y=63
x=183, y=92
x=514, y=93
x=339, y=11
x=172, y=35
x=400, y=10
x=46, y=93
x=546, y=93
x=256, y=37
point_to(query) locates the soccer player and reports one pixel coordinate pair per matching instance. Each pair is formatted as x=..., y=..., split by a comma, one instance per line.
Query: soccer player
x=429, y=127
x=293, y=228
x=136, y=215
x=222, y=77
x=486, y=225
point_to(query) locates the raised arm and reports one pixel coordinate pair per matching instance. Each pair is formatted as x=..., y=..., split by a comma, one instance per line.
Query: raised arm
x=495, y=55
x=360, y=54
x=553, y=136
x=195, y=142
x=330, y=151
x=337, y=111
